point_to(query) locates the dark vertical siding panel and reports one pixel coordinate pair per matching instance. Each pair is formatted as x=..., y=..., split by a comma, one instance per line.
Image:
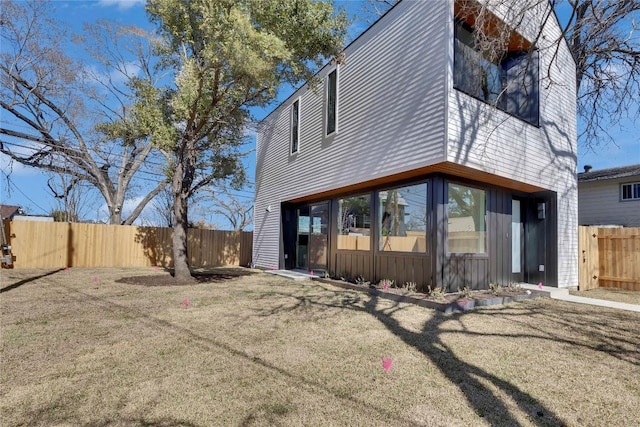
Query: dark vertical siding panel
x=552, y=241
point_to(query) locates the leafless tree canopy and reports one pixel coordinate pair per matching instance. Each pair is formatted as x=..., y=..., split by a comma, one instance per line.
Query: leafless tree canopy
x=229, y=206
x=55, y=108
x=604, y=40
x=73, y=202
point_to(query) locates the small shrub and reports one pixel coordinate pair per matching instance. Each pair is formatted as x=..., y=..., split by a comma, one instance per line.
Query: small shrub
x=437, y=293
x=386, y=283
x=514, y=287
x=495, y=288
x=410, y=286
x=465, y=292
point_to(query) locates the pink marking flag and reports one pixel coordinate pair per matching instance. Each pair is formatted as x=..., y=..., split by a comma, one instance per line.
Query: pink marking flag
x=386, y=363
x=95, y=279
x=385, y=286
x=539, y=285
x=312, y=272
x=185, y=302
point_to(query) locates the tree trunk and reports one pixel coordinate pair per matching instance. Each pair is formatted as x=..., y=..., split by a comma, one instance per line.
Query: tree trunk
x=115, y=218
x=180, y=253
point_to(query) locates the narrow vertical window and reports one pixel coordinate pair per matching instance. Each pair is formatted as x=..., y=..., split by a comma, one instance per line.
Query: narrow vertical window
x=295, y=126
x=332, y=101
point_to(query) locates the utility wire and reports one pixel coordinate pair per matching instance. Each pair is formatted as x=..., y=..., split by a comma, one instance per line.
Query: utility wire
x=15, y=187
x=155, y=174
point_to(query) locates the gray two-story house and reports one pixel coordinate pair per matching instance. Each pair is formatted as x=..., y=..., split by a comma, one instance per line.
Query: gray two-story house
x=420, y=157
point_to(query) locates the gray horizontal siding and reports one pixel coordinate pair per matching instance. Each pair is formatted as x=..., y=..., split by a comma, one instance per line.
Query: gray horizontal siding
x=599, y=204
x=391, y=118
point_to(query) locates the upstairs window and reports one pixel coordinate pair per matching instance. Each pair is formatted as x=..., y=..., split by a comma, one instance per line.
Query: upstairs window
x=630, y=191
x=295, y=126
x=501, y=74
x=332, y=102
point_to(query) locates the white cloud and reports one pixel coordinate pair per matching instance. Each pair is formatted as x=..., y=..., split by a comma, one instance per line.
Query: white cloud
x=121, y=4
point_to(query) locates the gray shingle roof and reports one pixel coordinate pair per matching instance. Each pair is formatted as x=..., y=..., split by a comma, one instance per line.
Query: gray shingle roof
x=611, y=173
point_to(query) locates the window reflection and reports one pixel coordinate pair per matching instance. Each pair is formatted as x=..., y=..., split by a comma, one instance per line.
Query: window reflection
x=466, y=225
x=354, y=223
x=403, y=219
x=507, y=79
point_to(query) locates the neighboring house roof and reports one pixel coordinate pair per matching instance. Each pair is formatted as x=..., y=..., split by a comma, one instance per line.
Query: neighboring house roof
x=611, y=173
x=9, y=211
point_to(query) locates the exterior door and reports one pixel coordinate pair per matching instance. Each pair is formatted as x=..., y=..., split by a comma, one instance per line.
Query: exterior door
x=319, y=236
x=517, y=241
x=312, y=239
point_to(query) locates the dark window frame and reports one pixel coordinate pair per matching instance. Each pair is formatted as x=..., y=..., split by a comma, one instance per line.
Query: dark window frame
x=364, y=223
x=497, y=87
x=379, y=216
x=485, y=253
x=295, y=127
x=331, y=114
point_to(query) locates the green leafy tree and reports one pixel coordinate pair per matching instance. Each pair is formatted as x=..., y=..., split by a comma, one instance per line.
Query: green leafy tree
x=224, y=57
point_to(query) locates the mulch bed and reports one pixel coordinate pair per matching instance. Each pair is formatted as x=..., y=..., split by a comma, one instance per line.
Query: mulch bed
x=165, y=277
x=450, y=302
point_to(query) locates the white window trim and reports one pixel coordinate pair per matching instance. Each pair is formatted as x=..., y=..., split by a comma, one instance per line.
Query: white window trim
x=291, y=152
x=632, y=184
x=326, y=107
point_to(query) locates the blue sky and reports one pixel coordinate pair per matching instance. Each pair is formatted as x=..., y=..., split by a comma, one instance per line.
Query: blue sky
x=28, y=187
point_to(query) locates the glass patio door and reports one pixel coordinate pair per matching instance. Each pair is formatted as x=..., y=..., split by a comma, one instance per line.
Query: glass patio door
x=319, y=236
x=312, y=240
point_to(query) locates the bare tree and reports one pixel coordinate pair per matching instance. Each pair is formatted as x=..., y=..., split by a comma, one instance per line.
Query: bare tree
x=603, y=38
x=238, y=213
x=73, y=198
x=58, y=113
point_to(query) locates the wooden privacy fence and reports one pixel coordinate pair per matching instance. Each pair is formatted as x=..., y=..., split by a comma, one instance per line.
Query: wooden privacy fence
x=609, y=258
x=60, y=244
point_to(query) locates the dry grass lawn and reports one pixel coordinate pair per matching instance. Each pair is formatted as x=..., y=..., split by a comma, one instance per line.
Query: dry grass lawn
x=611, y=294
x=79, y=348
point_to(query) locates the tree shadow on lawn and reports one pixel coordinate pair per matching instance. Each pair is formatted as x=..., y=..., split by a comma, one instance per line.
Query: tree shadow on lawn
x=27, y=280
x=469, y=379
x=485, y=402
x=54, y=413
x=208, y=344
